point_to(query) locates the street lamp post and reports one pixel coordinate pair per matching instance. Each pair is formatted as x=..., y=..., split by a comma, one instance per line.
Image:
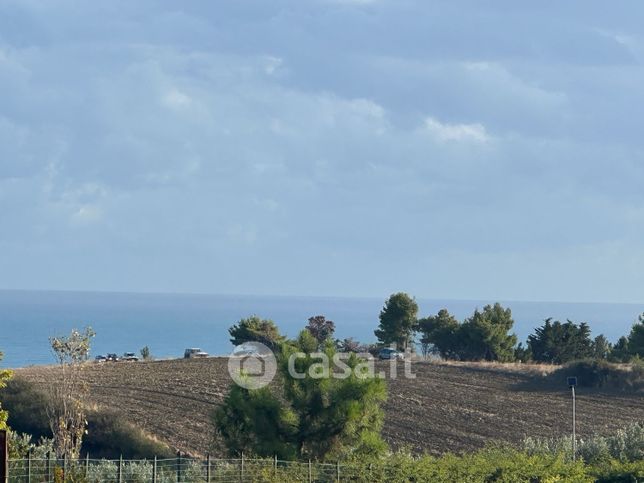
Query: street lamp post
x=572, y=382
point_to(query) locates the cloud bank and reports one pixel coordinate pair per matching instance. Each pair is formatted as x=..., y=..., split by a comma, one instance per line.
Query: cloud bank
x=452, y=149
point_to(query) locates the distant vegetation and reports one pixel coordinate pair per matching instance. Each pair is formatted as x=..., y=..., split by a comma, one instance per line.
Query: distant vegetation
x=257, y=330
x=145, y=353
x=483, y=336
x=602, y=374
x=487, y=335
x=5, y=375
x=398, y=319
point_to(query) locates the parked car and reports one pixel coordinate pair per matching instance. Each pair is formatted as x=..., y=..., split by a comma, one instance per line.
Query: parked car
x=112, y=358
x=390, y=353
x=100, y=358
x=193, y=353
x=130, y=356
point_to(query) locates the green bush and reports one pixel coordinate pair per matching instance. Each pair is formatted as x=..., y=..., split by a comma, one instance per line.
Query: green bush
x=592, y=373
x=110, y=436
x=626, y=446
x=27, y=408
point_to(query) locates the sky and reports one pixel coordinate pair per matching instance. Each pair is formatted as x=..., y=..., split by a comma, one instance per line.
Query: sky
x=451, y=149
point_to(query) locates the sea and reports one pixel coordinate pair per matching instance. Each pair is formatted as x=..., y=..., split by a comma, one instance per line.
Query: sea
x=170, y=323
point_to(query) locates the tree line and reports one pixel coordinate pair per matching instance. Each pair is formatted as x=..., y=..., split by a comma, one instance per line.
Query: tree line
x=484, y=336
x=487, y=335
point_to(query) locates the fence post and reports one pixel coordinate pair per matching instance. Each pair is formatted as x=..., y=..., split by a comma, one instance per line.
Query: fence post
x=275, y=466
x=64, y=467
x=4, y=457
x=119, y=476
x=178, y=466
x=241, y=468
x=29, y=466
x=337, y=472
x=86, y=464
x=208, y=468
x=48, y=467
x=310, y=472
x=154, y=470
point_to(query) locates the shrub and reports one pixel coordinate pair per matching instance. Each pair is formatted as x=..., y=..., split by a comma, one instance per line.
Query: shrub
x=27, y=408
x=601, y=374
x=102, y=471
x=626, y=445
x=110, y=436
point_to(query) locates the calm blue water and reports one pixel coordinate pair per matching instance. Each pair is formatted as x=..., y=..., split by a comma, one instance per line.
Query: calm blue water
x=170, y=323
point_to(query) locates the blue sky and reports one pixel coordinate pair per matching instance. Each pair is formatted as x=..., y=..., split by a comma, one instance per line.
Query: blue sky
x=452, y=149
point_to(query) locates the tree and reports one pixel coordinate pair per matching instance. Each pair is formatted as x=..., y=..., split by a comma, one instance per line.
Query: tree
x=255, y=329
x=601, y=347
x=439, y=334
x=620, y=352
x=485, y=335
x=66, y=408
x=558, y=343
x=309, y=417
x=397, y=321
x=636, y=338
x=522, y=353
x=5, y=375
x=254, y=421
x=145, y=353
x=321, y=328
x=350, y=345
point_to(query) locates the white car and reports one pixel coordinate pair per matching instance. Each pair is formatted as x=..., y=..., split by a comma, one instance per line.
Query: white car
x=193, y=353
x=390, y=353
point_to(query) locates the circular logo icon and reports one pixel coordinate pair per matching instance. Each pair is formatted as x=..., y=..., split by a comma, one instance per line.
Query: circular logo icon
x=252, y=365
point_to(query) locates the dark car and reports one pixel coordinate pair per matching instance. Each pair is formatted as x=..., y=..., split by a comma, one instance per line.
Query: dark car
x=112, y=358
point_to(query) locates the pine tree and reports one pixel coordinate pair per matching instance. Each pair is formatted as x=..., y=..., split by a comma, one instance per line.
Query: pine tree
x=397, y=321
x=306, y=417
x=439, y=332
x=558, y=343
x=485, y=335
x=636, y=339
x=256, y=329
x=601, y=347
x=620, y=351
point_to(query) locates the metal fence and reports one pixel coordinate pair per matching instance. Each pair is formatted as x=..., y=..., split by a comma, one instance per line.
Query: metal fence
x=173, y=470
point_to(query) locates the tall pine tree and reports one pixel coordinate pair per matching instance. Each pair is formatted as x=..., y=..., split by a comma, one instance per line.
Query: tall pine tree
x=398, y=320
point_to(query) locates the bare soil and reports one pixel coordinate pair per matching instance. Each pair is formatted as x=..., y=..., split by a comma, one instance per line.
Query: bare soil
x=447, y=407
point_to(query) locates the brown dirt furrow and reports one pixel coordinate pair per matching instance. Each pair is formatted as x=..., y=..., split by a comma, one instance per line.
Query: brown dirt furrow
x=447, y=407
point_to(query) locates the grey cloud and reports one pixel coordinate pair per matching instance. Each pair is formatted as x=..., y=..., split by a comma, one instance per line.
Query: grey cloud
x=191, y=147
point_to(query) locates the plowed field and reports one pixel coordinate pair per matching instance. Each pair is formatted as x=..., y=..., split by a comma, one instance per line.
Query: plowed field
x=447, y=407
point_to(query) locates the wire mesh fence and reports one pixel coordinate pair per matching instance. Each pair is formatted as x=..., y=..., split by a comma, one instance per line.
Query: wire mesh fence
x=171, y=470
